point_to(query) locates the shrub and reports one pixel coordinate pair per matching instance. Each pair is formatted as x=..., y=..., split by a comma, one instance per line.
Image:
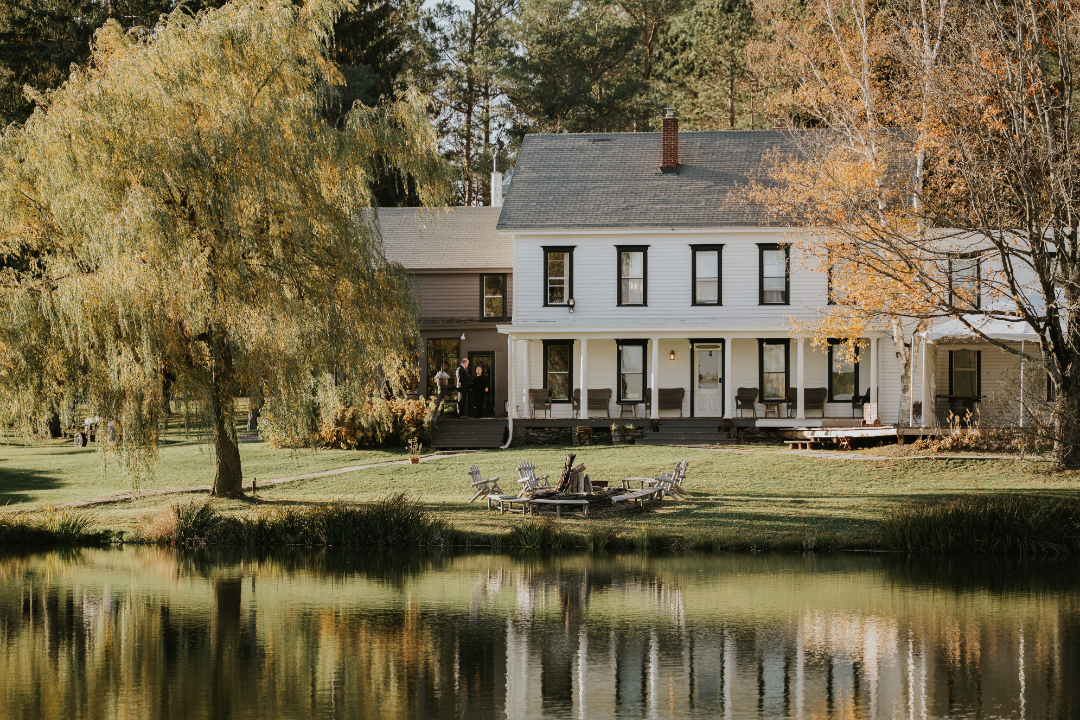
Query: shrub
x=64, y=526
x=966, y=434
x=1000, y=525
x=537, y=535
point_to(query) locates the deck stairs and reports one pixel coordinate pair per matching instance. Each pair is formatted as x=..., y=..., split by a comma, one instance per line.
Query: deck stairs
x=686, y=431
x=469, y=434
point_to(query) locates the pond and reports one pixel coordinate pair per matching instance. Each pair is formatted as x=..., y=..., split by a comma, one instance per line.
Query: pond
x=165, y=633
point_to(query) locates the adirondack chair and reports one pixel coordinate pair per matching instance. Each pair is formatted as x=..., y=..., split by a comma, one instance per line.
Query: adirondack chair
x=483, y=487
x=746, y=399
x=670, y=484
x=528, y=479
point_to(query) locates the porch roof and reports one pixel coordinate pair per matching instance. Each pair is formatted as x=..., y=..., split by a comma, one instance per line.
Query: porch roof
x=994, y=328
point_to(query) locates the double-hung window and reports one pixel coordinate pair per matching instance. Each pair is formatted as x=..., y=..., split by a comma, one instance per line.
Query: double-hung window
x=964, y=280
x=843, y=372
x=558, y=275
x=774, y=283
x=631, y=371
x=964, y=373
x=633, y=274
x=773, y=361
x=559, y=369
x=493, y=297
x=705, y=265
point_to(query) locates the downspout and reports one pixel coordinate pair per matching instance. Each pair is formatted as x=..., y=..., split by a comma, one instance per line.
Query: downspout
x=511, y=364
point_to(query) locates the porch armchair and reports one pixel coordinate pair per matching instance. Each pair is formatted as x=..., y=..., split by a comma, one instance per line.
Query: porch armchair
x=670, y=399
x=541, y=400
x=746, y=399
x=599, y=400
x=792, y=401
x=857, y=402
x=814, y=399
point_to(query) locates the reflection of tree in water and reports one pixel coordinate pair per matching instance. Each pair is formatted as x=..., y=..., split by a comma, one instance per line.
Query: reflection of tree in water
x=209, y=634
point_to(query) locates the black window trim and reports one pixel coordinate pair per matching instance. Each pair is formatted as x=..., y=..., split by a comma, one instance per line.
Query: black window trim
x=451, y=370
x=762, y=342
x=977, y=257
x=570, y=370
x=833, y=342
x=762, y=247
x=694, y=249
x=493, y=318
x=644, y=250
x=644, y=371
x=569, y=250
x=978, y=372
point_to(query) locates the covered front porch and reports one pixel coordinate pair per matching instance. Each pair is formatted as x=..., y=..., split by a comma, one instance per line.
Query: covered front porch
x=757, y=377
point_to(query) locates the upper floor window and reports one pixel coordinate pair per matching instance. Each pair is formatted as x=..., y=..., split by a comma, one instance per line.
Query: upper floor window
x=558, y=275
x=493, y=296
x=705, y=265
x=633, y=274
x=843, y=372
x=774, y=283
x=631, y=371
x=964, y=280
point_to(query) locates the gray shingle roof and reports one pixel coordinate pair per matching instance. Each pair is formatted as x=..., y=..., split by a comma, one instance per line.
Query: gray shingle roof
x=457, y=238
x=613, y=180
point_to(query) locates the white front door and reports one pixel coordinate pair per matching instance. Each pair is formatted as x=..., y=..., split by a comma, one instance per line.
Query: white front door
x=708, y=384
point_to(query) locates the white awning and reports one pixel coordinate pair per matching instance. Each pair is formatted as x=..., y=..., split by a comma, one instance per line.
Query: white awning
x=998, y=329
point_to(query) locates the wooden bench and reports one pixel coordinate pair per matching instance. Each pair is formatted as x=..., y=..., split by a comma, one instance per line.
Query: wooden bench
x=638, y=498
x=506, y=504
x=559, y=505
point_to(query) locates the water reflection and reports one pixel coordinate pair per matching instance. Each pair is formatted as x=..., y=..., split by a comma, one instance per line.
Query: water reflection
x=190, y=634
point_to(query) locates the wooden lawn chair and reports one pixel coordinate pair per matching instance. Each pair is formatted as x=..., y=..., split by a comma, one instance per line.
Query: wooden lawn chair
x=528, y=479
x=668, y=484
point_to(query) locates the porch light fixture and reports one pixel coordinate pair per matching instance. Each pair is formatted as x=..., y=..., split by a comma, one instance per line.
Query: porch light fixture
x=462, y=336
x=672, y=355
x=570, y=304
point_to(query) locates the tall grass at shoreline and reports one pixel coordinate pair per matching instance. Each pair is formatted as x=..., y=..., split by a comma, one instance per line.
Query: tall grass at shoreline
x=1001, y=525
x=395, y=521
x=51, y=526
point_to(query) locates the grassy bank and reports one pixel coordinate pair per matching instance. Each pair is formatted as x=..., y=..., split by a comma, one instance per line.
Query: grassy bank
x=771, y=500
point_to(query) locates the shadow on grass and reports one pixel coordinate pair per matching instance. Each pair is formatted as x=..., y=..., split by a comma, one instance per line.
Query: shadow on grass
x=19, y=486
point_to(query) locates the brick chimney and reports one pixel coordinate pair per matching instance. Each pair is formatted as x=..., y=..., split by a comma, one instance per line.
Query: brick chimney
x=669, y=152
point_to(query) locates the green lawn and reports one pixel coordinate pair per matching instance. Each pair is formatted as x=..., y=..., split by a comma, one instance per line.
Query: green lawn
x=762, y=494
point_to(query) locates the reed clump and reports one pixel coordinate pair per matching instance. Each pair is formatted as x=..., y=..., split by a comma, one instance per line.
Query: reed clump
x=394, y=521
x=542, y=534
x=50, y=526
x=999, y=525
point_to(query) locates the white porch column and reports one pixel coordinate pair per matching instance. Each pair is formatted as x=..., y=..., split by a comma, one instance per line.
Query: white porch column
x=652, y=378
x=873, y=372
x=511, y=376
x=728, y=402
x=584, y=383
x=526, y=381
x=800, y=379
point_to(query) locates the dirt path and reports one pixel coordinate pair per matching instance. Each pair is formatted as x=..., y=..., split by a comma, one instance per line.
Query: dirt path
x=122, y=497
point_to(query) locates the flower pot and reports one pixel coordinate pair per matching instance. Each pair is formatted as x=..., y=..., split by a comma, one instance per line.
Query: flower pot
x=414, y=460
x=622, y=438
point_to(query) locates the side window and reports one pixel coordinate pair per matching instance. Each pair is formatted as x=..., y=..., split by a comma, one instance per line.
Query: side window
x=773, y=362
x=558, y=275
x=843, y=373
x=774, y=283
x=705, y=268
x=631, y=371
x=964, y=281
x=633, y=274
x=558, y=369
x=964, y=373
x=493, y=297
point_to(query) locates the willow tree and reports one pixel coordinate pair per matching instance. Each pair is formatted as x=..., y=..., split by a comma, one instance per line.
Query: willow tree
x=181, y=208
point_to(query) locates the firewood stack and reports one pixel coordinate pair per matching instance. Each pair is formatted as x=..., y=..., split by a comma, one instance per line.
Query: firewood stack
x=567, y=474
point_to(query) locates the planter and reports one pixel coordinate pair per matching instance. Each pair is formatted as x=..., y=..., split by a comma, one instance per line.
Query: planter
x=622, y=438
x=414, y=460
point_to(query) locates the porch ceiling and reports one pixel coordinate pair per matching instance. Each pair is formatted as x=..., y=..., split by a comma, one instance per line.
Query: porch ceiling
x=560, y=331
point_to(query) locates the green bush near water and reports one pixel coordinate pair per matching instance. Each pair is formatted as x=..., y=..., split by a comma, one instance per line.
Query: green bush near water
x=51, y=526
x=395, y=521
x=1002, y=525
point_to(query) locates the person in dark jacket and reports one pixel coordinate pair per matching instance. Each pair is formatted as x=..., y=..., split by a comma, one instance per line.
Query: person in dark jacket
x=481, y=385
x=464, y=380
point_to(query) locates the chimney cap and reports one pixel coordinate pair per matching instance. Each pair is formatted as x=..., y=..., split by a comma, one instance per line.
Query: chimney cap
x=669, y=112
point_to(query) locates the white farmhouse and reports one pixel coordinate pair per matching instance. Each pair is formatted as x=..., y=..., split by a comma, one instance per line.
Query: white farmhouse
x=641, y=287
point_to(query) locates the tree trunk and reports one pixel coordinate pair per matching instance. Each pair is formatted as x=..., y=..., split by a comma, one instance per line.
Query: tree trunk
x=1067, y=425
x=903, y=359
x=228, y=477
x=53, y=423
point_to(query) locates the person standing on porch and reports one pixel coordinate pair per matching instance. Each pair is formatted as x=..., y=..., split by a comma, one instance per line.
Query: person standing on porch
x=481, y=385
x=464, y=381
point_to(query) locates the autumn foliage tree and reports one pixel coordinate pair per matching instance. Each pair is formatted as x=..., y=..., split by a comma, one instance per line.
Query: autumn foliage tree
x=181, y=208
x=942, y=135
